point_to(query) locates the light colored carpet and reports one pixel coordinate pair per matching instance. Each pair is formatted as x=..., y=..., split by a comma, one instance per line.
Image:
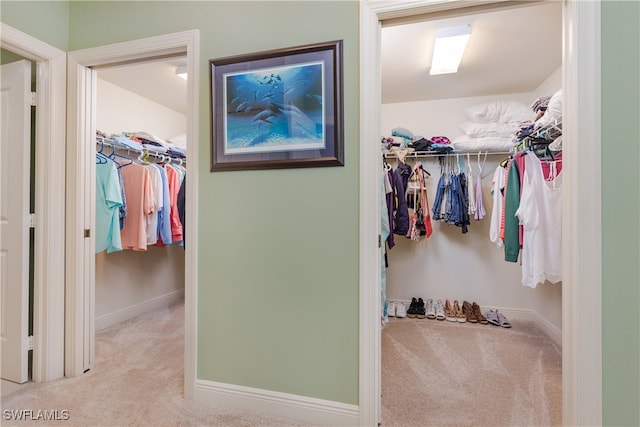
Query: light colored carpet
x=433, y=374
x=137, y=381
x=440, y=373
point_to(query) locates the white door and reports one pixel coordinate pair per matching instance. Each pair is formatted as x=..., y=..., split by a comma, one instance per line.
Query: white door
x=15, y=81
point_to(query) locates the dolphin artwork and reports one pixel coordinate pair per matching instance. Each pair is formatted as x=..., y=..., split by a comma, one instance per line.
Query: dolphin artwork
x=274, y=109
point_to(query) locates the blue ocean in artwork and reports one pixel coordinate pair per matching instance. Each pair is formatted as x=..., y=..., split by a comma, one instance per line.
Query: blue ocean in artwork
x=275, y=109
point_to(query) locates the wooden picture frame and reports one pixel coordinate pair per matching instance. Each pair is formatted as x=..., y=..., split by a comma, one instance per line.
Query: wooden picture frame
x=278, y=109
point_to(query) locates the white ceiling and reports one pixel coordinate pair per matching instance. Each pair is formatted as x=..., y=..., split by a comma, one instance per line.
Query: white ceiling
x=510, y=51
x=154, y=80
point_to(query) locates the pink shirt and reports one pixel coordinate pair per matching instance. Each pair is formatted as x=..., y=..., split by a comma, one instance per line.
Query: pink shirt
x=174, y=188
x=139, y=196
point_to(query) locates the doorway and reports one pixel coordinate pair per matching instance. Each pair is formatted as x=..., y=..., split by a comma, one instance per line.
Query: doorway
x=433, y=362
x=17, y=243
x=581, y=120
x=80, y=346
x=143, y=105
x=48, y=274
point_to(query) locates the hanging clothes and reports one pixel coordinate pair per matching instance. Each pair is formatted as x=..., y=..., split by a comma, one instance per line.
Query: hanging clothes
x=385, y=231
x=390, y=200
x=497, y=188
x=139, y=193
x=424, y=211
x=540, y=213
x=401, y=211
x=158, y=202
x=181, y=200
x=451, y=203
x=108, y=203
x=418, y=202
x=480, y=211
x=174, y=186
x=472, y=189
x=164, y=215
x=511, y=235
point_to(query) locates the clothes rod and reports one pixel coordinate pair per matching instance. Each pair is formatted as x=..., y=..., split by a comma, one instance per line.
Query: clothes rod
x=420, y=154
x=142, y=153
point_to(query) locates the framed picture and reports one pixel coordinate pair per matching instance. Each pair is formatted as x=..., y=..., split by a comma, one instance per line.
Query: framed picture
x=278, y=109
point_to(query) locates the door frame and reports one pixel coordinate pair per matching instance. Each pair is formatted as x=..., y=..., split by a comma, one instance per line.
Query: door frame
x=81, y=167
x=48, y=316
x=582, y=270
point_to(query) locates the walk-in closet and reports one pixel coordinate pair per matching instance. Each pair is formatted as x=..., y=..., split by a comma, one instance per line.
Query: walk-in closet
x=471, y=287
x=141, y=161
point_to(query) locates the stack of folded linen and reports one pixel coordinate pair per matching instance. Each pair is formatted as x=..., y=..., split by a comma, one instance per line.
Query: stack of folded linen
x=492, y=126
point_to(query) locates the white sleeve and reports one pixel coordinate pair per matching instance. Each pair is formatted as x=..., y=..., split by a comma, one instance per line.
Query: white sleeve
x=496, y=212
x=527, y=212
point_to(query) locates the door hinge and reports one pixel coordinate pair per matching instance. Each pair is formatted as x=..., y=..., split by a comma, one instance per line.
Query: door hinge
x=87, y=232
x=379, y=240
x=30, y=342
x=32, y=220
x=33, y=99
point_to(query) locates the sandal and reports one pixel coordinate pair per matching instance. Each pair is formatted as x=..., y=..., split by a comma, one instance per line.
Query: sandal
x=448, y=312
x=503, y=320
x=460, y=317
x=492, y=317
x=420, y=309
x=476, y=310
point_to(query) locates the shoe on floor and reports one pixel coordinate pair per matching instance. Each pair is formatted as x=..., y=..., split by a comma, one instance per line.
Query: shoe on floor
x=460, y=317
x=391, y=308
x=467, y=310
x=503, y=320
x=449, y=314
x=420, y=310
x=411, y=312
x=430, y=309
x=440, y=315
x=492, y=317
x=401, y=310
x=476, y=310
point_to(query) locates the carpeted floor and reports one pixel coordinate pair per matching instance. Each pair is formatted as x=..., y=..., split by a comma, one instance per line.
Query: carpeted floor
x=433, y=374
x=439, y=373
x=137, y=381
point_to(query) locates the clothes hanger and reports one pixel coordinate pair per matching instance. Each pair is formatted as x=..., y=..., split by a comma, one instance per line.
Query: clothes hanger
x=101, y=159
x=144, y=157
x=385, y=164
x=484, y=162
x=114, y=156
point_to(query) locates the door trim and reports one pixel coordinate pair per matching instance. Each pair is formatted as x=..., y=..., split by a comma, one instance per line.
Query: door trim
x=582, y=287
x=48, y=316
x=81, y=132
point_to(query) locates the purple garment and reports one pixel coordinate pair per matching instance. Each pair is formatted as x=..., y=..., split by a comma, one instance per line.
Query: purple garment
x=480, y=211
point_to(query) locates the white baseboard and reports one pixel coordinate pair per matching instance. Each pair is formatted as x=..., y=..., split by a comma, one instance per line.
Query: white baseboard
x=521, y=314
x=531, y=315
x=303, y=409
x=121, y=315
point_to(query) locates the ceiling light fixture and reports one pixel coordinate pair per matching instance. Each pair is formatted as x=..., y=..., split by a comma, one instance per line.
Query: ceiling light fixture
x=182, y=72
x=449, y=48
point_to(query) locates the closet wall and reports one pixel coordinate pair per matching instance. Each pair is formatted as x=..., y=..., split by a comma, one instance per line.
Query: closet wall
x=452, y=265
x=128, y=282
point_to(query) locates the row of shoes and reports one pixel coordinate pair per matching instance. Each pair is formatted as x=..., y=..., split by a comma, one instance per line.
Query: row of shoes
x=439, y=310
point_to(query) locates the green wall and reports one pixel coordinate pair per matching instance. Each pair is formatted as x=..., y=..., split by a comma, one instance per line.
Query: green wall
x=278, y=267
x=621, y=212
x=278, y=253
x=45, y=20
